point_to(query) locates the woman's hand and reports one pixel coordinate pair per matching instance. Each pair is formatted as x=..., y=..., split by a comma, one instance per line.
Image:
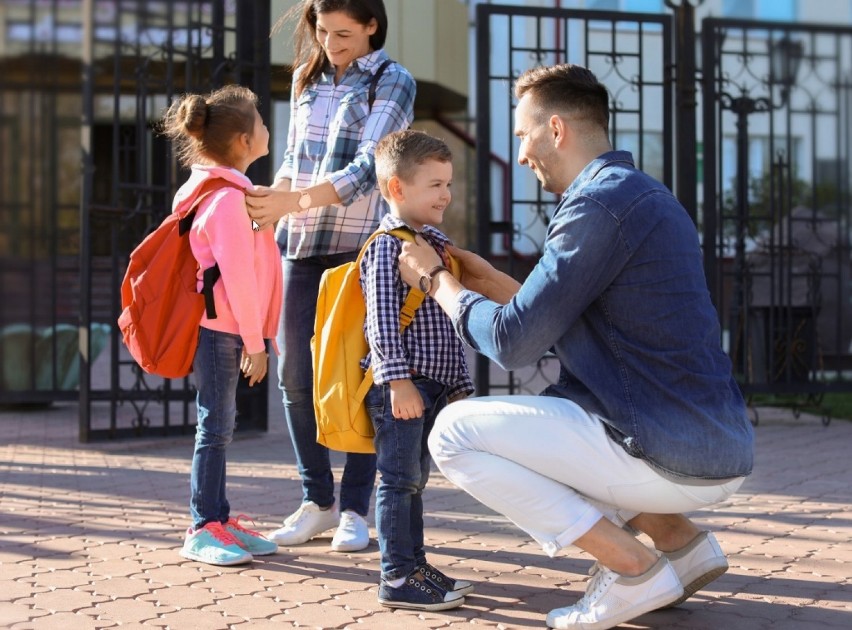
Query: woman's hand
x=266, y=205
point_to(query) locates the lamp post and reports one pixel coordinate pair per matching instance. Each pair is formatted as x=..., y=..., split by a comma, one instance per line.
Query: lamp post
x=785, y=56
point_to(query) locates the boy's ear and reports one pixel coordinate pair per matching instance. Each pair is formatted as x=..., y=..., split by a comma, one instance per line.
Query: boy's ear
x=395, y=188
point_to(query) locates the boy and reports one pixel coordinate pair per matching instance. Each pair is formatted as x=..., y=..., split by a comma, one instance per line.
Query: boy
x=415, y=374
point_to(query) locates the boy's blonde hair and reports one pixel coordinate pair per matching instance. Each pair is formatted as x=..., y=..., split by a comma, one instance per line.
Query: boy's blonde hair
x=399, y=154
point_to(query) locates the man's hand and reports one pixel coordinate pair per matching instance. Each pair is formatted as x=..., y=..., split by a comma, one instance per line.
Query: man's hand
x=406, y=402
x=416, y=259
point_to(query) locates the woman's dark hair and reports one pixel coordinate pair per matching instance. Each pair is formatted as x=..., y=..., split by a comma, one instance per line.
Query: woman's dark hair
x=203, y=127
x=307, y=48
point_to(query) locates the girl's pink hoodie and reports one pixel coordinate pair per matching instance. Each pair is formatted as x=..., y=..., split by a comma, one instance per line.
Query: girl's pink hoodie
x=249, y=293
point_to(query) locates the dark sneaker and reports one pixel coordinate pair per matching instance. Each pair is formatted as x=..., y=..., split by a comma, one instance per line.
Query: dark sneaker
x=441, y=579
x=418, y=593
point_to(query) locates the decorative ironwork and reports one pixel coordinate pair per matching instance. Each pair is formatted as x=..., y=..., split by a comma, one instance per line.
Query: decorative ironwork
x=631, y=54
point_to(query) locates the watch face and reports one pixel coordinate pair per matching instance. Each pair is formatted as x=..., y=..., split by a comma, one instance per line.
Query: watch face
x=305, y=201
x=425, y=283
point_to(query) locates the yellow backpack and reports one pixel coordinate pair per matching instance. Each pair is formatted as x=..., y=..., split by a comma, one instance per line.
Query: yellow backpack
x=337, y=347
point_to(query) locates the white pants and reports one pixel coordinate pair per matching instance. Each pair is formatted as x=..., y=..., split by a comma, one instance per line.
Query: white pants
x=549, y=466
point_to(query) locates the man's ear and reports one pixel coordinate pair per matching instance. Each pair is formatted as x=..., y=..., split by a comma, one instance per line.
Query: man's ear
x=395, y=188
x=558, y=129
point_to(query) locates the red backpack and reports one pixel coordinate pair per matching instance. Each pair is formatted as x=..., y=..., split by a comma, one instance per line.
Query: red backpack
x=161, y=308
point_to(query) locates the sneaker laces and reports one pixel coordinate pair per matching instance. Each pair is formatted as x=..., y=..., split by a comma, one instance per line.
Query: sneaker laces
x=218, y=531
x=296, y=516
x=602, y=579
x=235, y=523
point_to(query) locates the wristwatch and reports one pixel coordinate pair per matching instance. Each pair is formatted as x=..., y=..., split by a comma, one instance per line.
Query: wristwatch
x=426, y=280
x=305, y=200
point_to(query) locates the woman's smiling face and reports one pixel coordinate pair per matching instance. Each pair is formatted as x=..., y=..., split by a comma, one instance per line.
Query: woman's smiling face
x=342, y=38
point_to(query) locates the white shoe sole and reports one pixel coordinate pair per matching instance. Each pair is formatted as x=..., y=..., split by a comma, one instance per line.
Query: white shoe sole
x=227, y=563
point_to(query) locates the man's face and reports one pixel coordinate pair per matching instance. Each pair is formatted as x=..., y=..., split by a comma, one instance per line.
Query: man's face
x=537, y=148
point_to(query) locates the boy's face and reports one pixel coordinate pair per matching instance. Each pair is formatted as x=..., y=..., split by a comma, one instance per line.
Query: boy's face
x=427, y=195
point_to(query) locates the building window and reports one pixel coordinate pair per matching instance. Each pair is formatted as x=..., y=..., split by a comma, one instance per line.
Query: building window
x=782, y=10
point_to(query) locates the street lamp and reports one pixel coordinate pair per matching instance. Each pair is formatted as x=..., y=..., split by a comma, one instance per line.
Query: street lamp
x=785, y=56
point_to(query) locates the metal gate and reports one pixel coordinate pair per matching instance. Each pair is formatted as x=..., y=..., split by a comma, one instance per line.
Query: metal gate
x=631, y=54
x=777, y=141
x=137, y=55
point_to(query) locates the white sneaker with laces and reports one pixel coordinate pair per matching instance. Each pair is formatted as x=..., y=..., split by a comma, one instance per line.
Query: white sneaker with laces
x=352, y=534
x=697, y=564
x=612, y=599
x=305, y=523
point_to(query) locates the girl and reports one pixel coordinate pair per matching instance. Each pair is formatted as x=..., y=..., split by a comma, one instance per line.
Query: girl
x=218, y=136
x=327, y=180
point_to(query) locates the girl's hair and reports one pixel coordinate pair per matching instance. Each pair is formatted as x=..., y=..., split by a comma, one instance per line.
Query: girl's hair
x=203, y=127
x=308, y=50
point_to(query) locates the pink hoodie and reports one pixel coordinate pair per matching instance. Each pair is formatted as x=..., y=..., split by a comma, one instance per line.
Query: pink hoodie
x=249, y=293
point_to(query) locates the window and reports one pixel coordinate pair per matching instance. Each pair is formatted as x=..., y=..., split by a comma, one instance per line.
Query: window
x=782, y=10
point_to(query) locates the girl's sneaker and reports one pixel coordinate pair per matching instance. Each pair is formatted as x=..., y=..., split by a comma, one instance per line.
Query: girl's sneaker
x=254, y=542
x=213, y=544
x=439, y=578
x=418, y=593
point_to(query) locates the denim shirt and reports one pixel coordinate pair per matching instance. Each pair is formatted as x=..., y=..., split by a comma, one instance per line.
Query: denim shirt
x=619, y=295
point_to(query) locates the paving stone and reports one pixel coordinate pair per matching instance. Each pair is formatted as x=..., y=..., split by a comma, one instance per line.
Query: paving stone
x=106, y=520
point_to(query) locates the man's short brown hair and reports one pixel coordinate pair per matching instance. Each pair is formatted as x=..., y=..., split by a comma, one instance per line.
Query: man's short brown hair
x=566, y=88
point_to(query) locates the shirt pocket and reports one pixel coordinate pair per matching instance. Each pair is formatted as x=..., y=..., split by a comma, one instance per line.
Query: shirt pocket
x=306, y=145
x=353, y=113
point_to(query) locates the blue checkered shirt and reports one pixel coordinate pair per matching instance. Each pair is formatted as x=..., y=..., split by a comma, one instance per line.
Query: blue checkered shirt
x=332, y=137
x=429, y=346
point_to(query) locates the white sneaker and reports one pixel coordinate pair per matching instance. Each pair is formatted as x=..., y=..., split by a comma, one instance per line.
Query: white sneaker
x=612, y=599
x=305, y=523
x=352, y=534
x=697, y=564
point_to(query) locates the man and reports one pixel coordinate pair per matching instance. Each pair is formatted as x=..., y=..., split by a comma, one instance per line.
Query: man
x=645, y=422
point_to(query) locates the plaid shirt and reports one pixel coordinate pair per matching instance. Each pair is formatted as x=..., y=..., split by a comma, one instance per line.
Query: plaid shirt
x=332, y=137
x=429, y=346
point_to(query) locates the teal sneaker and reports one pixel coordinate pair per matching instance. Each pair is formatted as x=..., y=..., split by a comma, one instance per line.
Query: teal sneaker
x=213, y=544
x=254, y=542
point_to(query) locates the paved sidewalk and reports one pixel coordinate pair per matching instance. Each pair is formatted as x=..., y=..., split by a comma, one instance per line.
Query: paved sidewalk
x=89, y=537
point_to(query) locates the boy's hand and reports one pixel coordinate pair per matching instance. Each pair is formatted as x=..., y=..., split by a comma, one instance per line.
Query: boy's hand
x=254, y=366
x=406, y=402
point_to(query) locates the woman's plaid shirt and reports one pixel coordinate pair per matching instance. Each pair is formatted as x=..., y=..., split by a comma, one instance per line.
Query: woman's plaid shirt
x=332, y=136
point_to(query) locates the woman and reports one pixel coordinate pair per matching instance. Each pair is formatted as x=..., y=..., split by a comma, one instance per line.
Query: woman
x=326, y=187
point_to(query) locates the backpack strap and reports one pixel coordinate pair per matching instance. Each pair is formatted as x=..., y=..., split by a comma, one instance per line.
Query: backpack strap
x=374, y=81
x=211, y=275
x=412, y=302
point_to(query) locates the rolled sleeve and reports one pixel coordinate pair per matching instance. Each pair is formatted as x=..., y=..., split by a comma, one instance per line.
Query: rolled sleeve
x=393, y=110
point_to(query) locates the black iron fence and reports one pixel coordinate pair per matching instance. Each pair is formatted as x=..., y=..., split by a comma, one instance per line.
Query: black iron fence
x=766, y=175
x=769, y=189
x=67, y=231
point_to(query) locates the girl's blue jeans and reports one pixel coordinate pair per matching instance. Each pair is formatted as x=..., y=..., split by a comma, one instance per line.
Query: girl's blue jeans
x=216, y=369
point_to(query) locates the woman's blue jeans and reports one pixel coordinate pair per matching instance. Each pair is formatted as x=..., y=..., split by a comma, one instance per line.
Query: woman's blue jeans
x=216, y=370
x=295, y=377
x=403, y=463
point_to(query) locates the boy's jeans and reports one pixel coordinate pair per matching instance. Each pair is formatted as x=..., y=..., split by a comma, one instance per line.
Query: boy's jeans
x=295, y=376
x=216, y=369
x=403, y=462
